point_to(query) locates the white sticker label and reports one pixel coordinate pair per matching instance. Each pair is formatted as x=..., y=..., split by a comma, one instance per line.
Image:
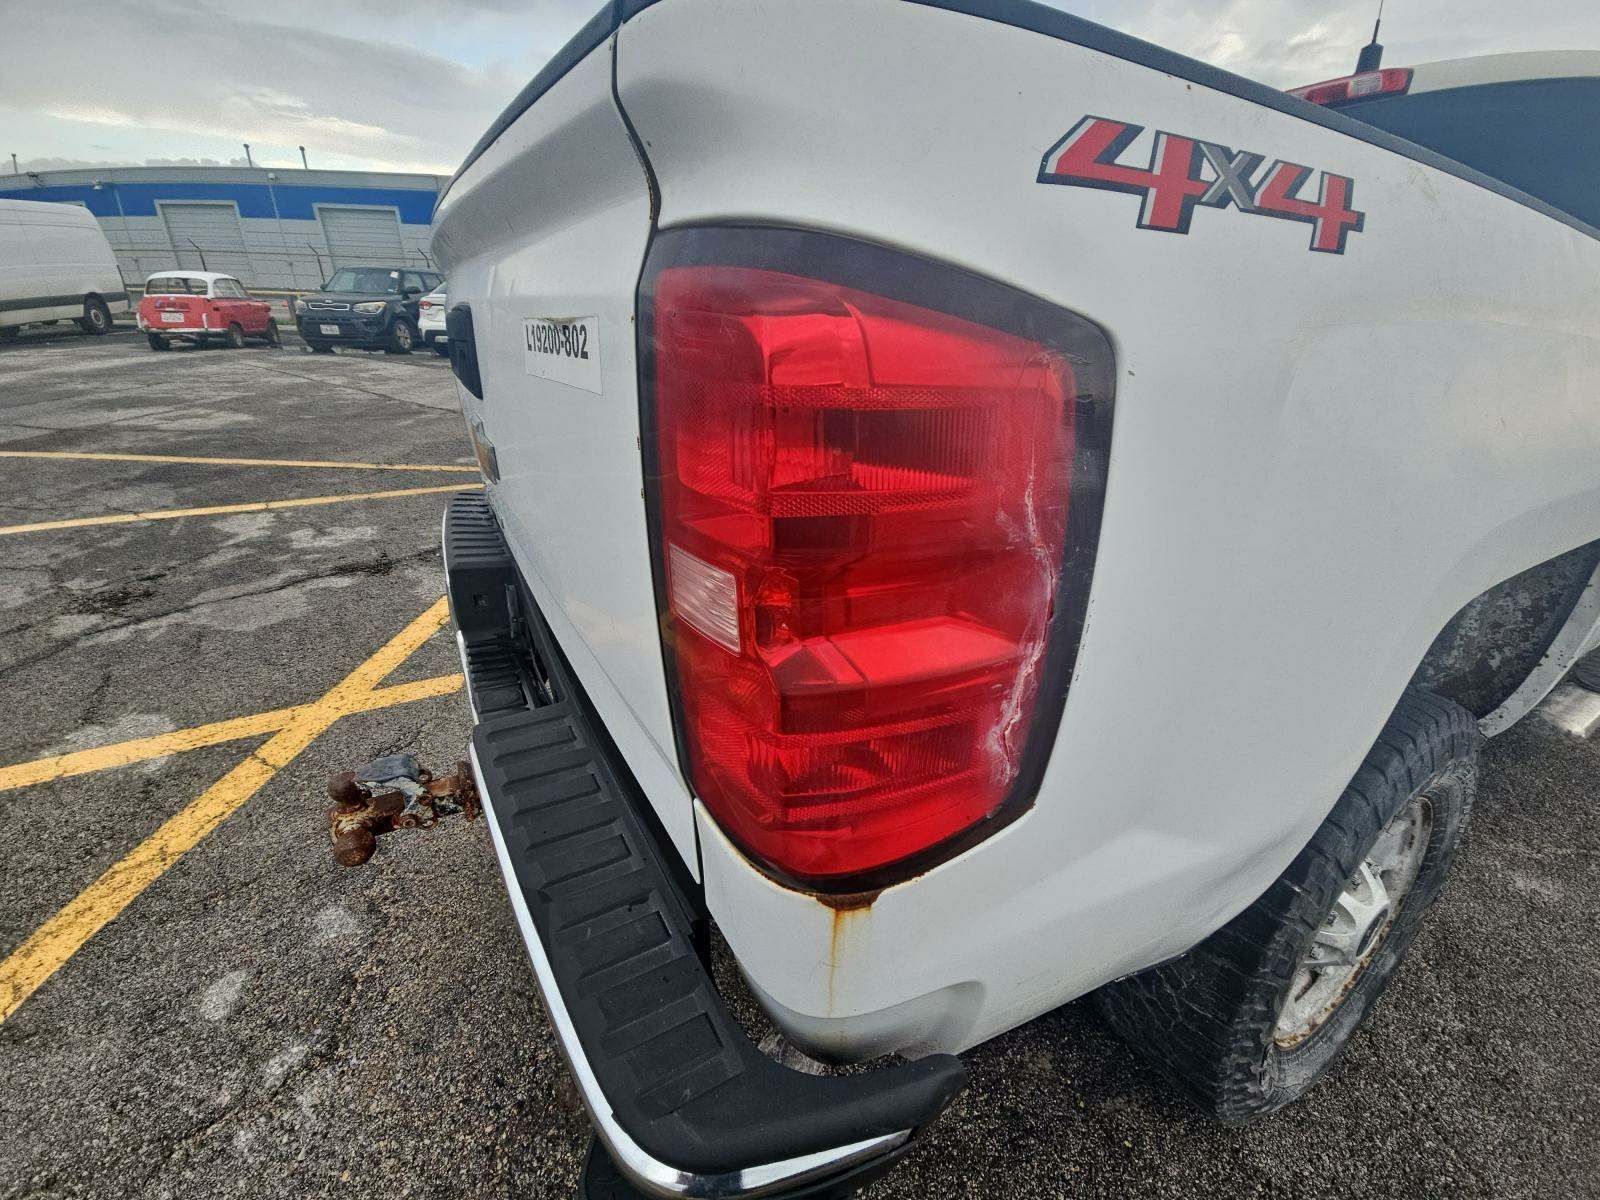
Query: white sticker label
x=565, y=349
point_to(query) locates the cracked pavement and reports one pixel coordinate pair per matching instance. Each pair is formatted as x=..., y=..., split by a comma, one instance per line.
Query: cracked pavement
x=260, y=1021
x=263, y=1023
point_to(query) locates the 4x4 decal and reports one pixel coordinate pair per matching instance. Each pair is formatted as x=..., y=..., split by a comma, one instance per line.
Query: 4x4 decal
x=1185, y=172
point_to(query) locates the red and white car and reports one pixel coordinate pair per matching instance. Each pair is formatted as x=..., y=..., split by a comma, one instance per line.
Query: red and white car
x=197, y=306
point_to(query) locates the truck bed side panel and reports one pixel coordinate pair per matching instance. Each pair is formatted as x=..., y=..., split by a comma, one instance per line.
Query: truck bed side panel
x=1318, y=458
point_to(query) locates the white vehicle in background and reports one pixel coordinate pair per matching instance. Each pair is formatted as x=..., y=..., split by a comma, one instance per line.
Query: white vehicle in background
x=56, y=265
x=948, y=536
x=430, y=321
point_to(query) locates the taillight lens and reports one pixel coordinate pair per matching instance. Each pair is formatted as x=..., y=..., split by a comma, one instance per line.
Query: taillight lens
x=865, y=511
x=1389, y=81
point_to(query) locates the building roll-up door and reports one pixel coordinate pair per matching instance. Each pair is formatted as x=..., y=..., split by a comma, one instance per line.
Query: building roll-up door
x=207, y=236
x=362, y=237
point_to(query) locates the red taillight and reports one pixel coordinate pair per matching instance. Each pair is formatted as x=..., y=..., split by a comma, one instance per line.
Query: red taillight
x=864, y=516
x=1356, y=87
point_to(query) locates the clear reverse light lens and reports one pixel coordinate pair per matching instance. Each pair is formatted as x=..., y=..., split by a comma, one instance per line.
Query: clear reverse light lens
x=706, y=597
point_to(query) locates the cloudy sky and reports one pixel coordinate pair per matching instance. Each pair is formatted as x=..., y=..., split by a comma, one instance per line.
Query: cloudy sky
x=410, y=84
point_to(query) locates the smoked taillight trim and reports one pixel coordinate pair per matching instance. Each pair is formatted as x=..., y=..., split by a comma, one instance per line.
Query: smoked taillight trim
x=940, y=290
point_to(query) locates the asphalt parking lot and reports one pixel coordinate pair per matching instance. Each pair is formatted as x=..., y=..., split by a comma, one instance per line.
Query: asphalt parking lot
x=196, y=1001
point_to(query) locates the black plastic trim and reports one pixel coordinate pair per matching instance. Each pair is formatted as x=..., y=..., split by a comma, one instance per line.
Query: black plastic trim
x=677, y=1072
x=961, y=293
x=463, y=348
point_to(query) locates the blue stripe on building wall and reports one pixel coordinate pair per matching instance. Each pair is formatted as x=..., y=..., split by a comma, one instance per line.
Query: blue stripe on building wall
x=290, y=201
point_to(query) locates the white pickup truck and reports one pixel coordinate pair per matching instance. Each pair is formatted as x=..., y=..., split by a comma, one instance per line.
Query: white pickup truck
x=939, y=532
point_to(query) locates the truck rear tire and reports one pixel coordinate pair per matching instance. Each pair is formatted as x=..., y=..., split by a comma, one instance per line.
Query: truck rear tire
x=1251, y=1018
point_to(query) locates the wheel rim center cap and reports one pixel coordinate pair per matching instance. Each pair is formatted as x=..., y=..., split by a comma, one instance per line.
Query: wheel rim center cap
x=1376, y=923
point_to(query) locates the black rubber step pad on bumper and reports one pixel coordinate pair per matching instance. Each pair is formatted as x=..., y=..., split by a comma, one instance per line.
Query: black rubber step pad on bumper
x=636, y=1008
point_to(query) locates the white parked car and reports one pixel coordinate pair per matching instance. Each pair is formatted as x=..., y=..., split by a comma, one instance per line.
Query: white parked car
x=430, y=321
x=56, y=265
x=946, y=536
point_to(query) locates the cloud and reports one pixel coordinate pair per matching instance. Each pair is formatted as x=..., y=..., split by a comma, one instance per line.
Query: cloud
x=64, y=164
x=1288, y=42
x=413, y=85
x=232, y=76
x=53, y=163
x=195, y=162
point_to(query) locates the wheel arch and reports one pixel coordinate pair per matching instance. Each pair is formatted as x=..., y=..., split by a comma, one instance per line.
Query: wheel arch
x=1506, y=648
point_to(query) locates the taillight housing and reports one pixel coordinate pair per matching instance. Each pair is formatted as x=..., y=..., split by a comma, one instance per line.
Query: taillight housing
x=1334, y=92
x=875, y=487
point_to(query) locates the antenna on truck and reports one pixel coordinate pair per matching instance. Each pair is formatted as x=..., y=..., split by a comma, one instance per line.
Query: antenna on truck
x=1371, y=56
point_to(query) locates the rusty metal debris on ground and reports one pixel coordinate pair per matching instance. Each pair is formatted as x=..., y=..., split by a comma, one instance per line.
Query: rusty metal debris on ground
x=389, y=793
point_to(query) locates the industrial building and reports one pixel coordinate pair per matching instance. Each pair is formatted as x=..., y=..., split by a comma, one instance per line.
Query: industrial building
x=274, y=228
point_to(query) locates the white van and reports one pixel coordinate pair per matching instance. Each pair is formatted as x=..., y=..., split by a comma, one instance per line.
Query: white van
x=56, y=265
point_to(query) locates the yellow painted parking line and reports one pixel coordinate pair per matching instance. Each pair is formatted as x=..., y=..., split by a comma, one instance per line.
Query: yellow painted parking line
x=137, y=750
x=217, y=510
x=319, y=464
x=59, y=938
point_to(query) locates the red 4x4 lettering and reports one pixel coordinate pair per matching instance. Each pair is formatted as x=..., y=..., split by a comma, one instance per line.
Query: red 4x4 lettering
x=1186, y=172
x=1331, y=217
x=1087, y=156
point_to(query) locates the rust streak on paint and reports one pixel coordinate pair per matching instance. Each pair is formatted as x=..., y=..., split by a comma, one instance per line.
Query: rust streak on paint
x=847, y=909
x=833, y=955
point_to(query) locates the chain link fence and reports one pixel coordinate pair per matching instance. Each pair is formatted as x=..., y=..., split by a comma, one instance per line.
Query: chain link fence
x=260, y=268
